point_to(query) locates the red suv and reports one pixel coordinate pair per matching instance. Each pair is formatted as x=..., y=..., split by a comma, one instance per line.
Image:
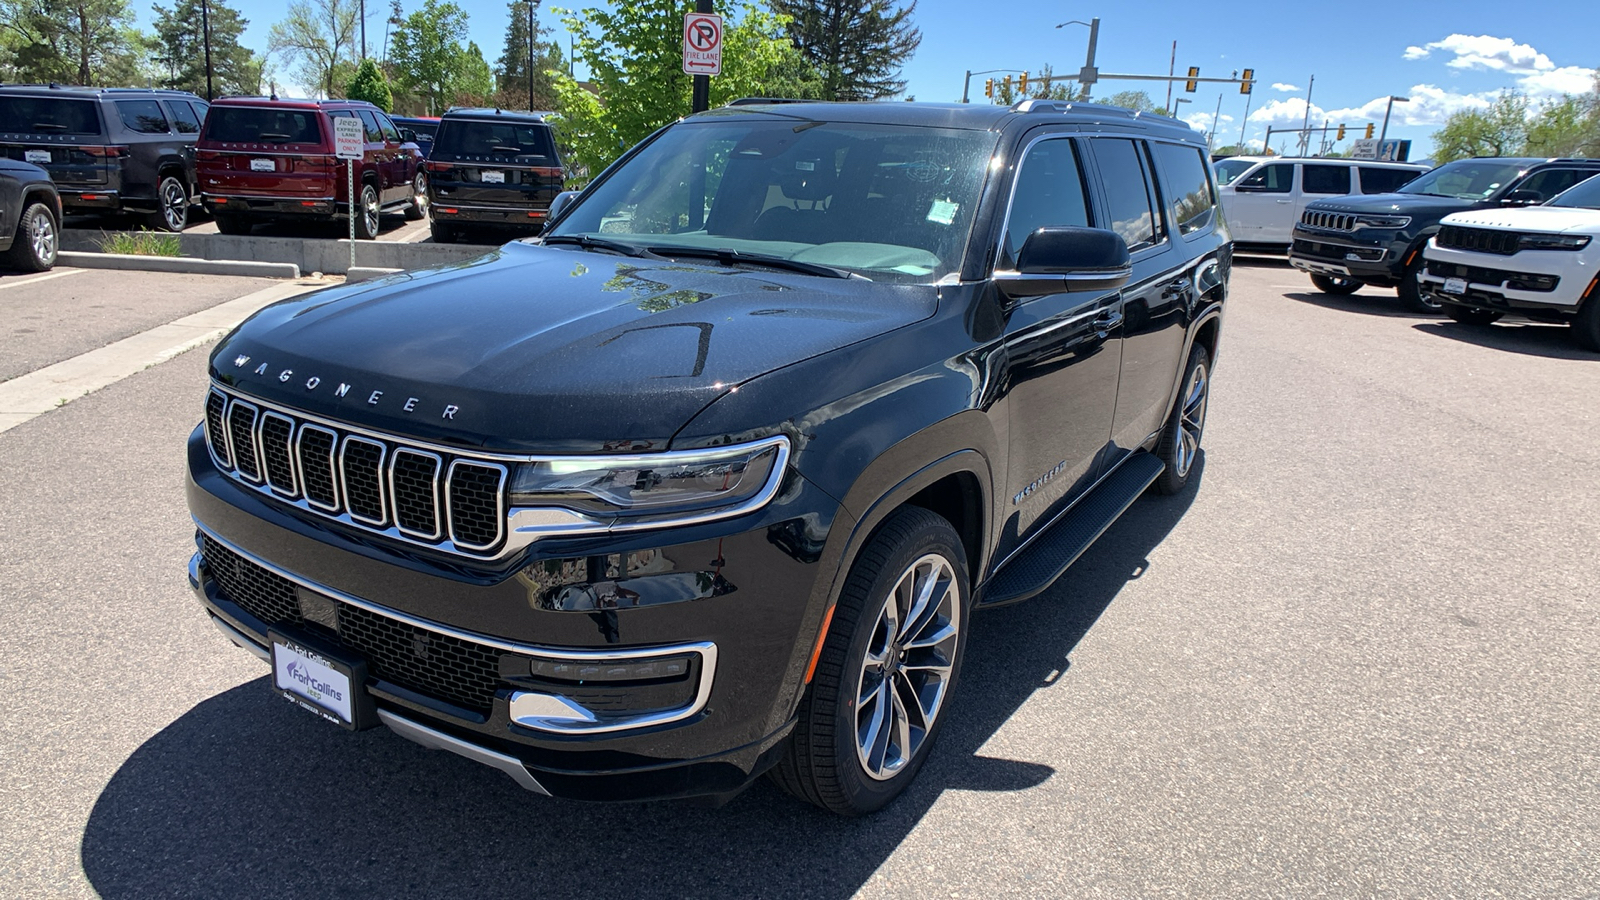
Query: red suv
x=261, y=158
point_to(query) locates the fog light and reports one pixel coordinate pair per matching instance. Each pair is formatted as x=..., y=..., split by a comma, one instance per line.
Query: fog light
x=610, y=670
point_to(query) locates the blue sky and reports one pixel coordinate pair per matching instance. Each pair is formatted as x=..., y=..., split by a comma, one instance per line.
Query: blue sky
x=1445, y=56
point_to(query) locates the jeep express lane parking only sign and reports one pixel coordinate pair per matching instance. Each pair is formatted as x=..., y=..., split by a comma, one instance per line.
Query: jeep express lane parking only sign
x=702, y=44
x=349, y=139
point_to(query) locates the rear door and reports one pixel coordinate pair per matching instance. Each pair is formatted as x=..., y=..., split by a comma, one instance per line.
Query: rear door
x=1383, y=179
x=378, y=157
x=1263, y=203
x=63, y=135
x=265, y=151
x=486, y=163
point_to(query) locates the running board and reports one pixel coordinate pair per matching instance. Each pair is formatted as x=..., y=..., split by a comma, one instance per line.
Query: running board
x=1038, y=566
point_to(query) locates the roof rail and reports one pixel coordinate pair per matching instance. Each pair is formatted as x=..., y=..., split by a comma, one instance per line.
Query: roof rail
x=763, y=101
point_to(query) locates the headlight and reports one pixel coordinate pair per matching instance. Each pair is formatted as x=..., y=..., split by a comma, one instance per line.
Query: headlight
x=731, y=480
x=1553, y=242
x=1382, y=221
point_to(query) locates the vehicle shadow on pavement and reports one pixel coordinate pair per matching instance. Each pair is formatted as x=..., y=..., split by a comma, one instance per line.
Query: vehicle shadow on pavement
x=1528, y=338
x=1383, y=303
x=246, y=796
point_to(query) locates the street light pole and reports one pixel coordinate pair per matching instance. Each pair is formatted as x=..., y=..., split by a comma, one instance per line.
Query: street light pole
x=1089, y=74
x=532, y=4
x=1390, y=108
x=205, y=28
x=363, y=29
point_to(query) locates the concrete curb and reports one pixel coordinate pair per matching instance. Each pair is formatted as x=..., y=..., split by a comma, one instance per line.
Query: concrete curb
x=180, y=264
x=365, y=273
x=310, y=254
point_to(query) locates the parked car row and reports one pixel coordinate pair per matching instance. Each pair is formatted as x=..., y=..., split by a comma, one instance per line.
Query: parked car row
x=248, y=160
x=1263, y=196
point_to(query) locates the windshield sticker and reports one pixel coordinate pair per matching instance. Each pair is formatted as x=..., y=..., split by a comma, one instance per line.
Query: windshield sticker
x=943, y=212
x=805, y=166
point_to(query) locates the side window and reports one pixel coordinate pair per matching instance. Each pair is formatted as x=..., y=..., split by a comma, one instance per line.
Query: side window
x=374, y=133
x=1325, y=179
x=1277, y=178
x=1383, y=181
x=183, y=117
x=1551, y=182
x=143, y=116
x=390, y=133
x=1130, y=206
x=1191, y=200
x=1049, y=191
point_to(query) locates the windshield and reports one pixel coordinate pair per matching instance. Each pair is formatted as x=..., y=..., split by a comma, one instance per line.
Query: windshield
x=48, y=115
x=527, y=142
x=1583, y=195
x=1229, y=169
x=250, y=125
x=891, y=203
x=1467, y=179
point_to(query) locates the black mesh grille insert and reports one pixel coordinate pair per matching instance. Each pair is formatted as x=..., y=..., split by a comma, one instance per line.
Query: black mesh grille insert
x=1482, y=240
x=216, y=435
x=475, y=503
x=416, y=493
x=316, y=466
x=460, y=672
x=276, y=432
x=242, y=430
x=363, y=479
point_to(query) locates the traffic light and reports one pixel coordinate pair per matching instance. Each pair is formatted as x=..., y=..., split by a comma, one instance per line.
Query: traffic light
x=1340, y=135
x=988, y=88
x=1248, y=81
x=1191, y=84
x=1369, y=131
x=1008, y=84
x=1022, y=84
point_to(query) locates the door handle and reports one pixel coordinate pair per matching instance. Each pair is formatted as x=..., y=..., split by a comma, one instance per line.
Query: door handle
x=1283, y=201
x=1107, y=320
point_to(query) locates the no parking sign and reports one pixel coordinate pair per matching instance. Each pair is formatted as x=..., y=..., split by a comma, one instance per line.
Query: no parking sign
x=702, y=44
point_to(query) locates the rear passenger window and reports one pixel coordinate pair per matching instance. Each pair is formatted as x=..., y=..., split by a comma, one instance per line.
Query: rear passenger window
x=1277, y=178
x=1191, y=201
x=1125, y=174
x=390, y=133
x=143, y=116
x=1316, y=179
x=1049, y=191
x=1551, y=182
x=1384, y=181
x=183, y=117
x=374, y=133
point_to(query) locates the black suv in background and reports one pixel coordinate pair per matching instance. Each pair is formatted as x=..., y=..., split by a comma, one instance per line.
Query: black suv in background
x=108, y=149
x=30, y=217
x=492, y=169
x=1378, y=240
x=709, y=479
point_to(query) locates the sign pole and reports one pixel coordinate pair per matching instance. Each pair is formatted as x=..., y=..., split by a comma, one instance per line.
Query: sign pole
x=349, y=142
x=350, y=181
x=702, y=83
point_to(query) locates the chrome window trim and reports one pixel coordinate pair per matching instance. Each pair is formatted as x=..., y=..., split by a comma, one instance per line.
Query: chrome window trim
x=333, y=465
x=288, y=447
x=499, y=502
x=438, y=473
x=255, y=450
x=344, y=482
x=211, y=439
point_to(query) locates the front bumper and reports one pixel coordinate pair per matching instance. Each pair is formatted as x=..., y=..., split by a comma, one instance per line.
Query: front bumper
x=1492, y=279
x=1379, y=260
x=757, y=613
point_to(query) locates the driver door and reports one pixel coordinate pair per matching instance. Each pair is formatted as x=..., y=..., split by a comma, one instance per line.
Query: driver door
x=1263, y=206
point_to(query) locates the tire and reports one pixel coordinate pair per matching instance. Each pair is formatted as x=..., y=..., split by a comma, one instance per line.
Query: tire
x=856, y=744
x=443, y=234
x=1179, y=446
x=38, y=239
x=1586, y=326
x=172, y=206
x=1331, y=284
x=1468, y=315
x=1410, y=290
x=417, y=209
x=232, y=223
x=369, y=211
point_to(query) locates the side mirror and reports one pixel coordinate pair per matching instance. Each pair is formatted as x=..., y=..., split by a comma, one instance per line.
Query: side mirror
x=407, y=136
x=1242, y=188
x=561, y=202
x=1522, y=198
x=1060, y=258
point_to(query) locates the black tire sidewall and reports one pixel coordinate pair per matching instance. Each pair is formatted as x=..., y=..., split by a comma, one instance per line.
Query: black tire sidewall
x=159, y=217
x=1169, y=481
x=1327, y=285
x=21, y=254
x=362, y=232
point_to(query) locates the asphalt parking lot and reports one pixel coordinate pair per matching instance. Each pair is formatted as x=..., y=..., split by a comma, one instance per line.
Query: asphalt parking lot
x=1359, y=658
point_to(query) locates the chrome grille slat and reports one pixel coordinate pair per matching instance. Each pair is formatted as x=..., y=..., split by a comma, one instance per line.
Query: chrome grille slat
x=216, y=428
x=275, y=441
x=1328, y=220
x=361, y=471
x=414, y=485
x=242, y=440
x=1481, y=240
x=315, y=450
x=475, y=503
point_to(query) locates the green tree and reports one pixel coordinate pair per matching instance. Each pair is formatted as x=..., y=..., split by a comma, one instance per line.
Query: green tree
x=425, y=52
x=1041, y=86
x=474, y=84
x=1138, y=101
x=1499, y=130
x=319, y=37
x=370, y=85
x=87, y=42
x=633, y=51
x=858, y=46
x=180, y=53
x=511, y=71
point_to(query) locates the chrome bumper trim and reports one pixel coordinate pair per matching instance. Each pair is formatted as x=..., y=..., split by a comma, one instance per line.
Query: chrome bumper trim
x=438, y=740
x=561, y=715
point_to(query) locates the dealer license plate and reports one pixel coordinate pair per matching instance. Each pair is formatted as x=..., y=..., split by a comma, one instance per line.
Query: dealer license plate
x=263, y=165
x=1455, y=285
x=36, y=156
x=494, y=176
x=313, y=681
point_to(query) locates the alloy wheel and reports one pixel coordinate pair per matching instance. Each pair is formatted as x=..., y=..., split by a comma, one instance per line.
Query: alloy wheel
x=174, y=205
x=906, y=671
x=1192, y=418
x=419, y=191
x=369, y=209
x=42, y=237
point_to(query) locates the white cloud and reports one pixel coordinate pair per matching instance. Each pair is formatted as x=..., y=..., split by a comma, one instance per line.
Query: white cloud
x=1564, y=80
x=1285, y=112
x=1536, y=74
x=1430, y=105
x=1201, y=121
x=1285, y=88
x=1417, y=53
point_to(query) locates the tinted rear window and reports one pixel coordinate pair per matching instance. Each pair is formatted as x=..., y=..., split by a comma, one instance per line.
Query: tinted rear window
x=143, y=116
x=521, y=141
x=248, y=124
x=1383, y=181
x=48, y=115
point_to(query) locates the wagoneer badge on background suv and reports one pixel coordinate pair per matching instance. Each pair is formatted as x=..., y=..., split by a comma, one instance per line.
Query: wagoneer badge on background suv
x=706, y=482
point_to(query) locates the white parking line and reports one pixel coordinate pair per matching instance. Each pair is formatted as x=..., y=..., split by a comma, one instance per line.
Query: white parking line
x=58, y=273
x=26, y=396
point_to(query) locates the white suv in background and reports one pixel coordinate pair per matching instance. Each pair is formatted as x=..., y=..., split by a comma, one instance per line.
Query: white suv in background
x=1542, y=262
x=1263, y=196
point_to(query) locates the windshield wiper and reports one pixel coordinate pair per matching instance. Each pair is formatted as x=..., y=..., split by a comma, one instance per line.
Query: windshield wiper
x=501, y=148
x=273, y=136
x=589, y=242
x=729, y=257
x=49, y=126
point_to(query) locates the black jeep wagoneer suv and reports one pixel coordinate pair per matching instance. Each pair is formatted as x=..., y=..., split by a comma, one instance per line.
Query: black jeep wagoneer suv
x=708, y=480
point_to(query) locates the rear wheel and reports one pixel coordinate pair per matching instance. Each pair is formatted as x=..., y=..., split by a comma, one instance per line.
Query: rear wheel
x=38, y=237
x=1410, y=290
x=1179, y=447
x=1332, y=284
x=367, y=214
x=232, y=223
x=172, y=205
x=1586, y=327
x=1467, y=315
x=442, y=233
x=417, y=209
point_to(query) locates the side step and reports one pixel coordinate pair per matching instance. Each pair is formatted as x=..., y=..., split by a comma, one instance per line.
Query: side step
x=1042, y=562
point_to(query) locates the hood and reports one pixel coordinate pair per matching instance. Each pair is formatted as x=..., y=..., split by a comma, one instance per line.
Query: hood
x=1402, y=204
x=533, y=348
x=1549, y=219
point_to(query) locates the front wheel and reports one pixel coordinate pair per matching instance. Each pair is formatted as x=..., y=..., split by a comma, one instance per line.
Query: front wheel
x=1410, y=290
x=1179, y=447
x=34, y=247
x=889, y=661
x=1468, y=315
x=172, y=206
x=1586, y=326
x=367, y=214
x=1332, y=284
x=417, y=209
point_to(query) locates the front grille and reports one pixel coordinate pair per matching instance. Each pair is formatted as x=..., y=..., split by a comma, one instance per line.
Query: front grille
x=1501, y=278
x=454, y=503
x=1328, y=220
x=1481, y=240
x=438, y=665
